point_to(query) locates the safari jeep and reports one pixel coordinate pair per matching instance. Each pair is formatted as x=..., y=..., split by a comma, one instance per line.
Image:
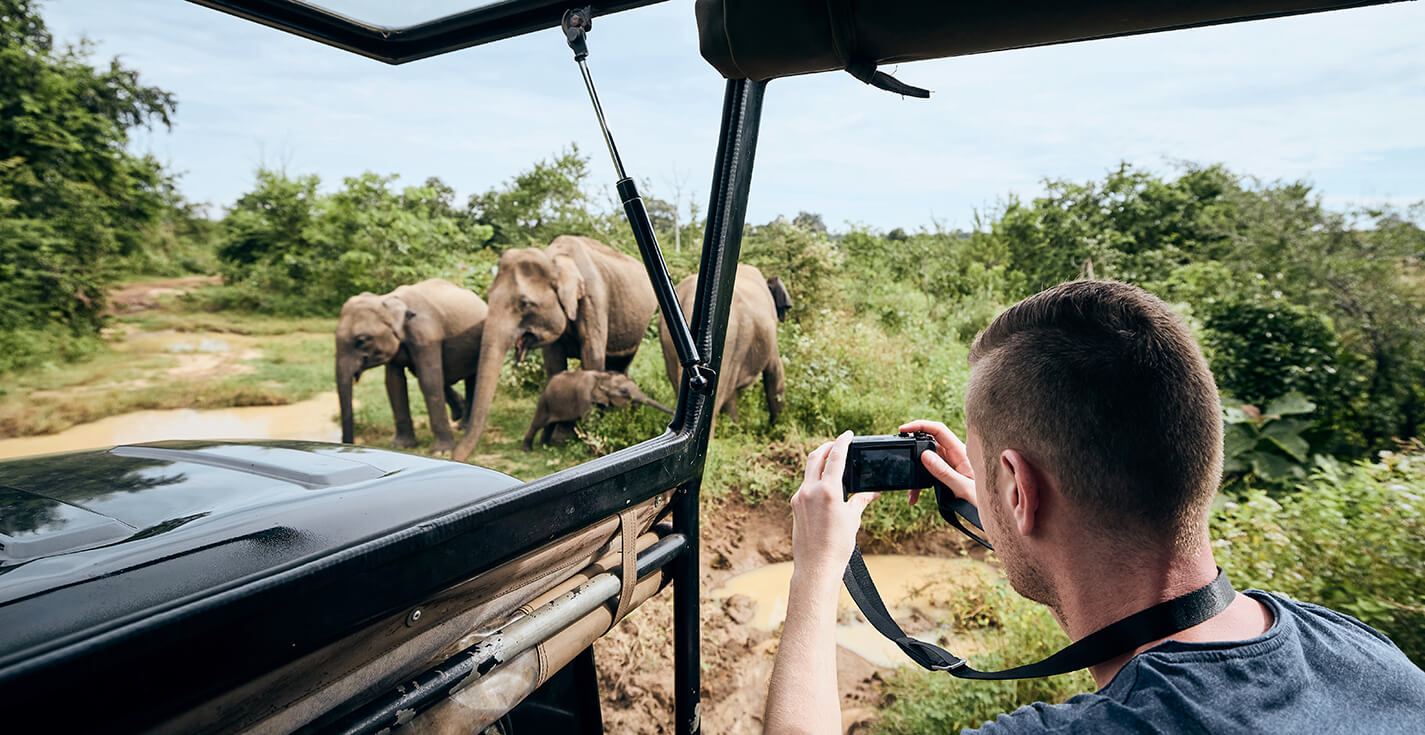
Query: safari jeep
x=295, y=586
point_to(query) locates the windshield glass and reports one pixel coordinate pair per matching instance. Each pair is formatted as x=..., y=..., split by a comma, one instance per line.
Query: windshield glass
x=397, y=15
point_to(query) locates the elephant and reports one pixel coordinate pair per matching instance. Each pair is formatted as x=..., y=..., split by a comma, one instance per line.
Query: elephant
x=780, y=297
x=434, y=328
x=750, y=349
x=570, y=395
x=575, y=298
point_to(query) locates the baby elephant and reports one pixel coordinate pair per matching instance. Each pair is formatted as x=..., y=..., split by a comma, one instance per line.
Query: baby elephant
x=570, y=395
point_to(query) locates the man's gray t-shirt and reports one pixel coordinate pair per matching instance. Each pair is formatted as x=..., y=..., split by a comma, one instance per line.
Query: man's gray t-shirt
x=1314, y=671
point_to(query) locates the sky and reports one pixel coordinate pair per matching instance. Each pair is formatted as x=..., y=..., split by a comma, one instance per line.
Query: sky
x=1336, y=99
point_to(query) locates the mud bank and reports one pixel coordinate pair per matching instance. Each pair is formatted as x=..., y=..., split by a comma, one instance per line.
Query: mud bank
x=312, y=419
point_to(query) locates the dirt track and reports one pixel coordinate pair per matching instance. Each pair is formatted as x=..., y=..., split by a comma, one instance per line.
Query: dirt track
x=142, y=296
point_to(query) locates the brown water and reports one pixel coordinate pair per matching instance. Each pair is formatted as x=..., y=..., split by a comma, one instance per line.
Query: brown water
x=915, y=589
x=312, y=419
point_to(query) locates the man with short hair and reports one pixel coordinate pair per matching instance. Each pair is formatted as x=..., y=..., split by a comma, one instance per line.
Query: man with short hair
x=1094, y=448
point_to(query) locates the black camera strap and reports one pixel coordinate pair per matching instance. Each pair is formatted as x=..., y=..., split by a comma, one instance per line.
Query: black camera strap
x=1142, y=627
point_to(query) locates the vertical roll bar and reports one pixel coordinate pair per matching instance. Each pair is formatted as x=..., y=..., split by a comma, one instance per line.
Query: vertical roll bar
x=722, y=243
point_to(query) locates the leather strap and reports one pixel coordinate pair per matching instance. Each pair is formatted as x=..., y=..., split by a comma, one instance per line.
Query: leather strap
x=1145, y=626
x=843, y=44
x=628, y=574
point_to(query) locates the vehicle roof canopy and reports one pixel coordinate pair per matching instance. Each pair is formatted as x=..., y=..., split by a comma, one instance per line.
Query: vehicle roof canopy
x=765, y=39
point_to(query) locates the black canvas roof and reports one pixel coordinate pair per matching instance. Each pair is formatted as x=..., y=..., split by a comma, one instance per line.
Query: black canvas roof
x=760, y=39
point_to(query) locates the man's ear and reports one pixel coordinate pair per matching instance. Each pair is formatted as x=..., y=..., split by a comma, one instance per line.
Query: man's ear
x=1024, y=486
x=569, y=284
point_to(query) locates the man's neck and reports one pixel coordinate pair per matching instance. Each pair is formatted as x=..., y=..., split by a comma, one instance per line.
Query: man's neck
x=1094, y=595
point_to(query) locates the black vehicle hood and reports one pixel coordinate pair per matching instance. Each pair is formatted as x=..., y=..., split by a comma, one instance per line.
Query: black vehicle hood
x=90, y=538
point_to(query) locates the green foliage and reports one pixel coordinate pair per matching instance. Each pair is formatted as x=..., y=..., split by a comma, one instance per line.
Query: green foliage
x=289, y=249
x=1263, y=349
x=1267, y=446
x=541, y=204
x=1295, y=297
x=1352, y=538
x=1133, y=227
x=804, y=259
x=73, y=200
x=1015, y=631
x=184, y=242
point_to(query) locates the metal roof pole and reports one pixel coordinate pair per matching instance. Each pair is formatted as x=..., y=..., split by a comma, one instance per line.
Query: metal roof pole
x=722, y=243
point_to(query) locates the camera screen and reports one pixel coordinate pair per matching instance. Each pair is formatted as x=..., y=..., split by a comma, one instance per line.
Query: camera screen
x=886, y=469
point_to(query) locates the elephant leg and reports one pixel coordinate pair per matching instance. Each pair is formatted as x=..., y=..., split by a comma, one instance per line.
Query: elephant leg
x=469, y=404
x=400, y=406
x=726, y=399
x=548, y=432
x=555, y=360
x=618, y=364
x=540, y=421
x=774, y=383
x=432, y=382
x=562, y=431
x=452, y=399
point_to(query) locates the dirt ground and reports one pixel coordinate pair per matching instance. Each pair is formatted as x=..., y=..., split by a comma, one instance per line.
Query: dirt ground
x=635, y=660
x=145, y=295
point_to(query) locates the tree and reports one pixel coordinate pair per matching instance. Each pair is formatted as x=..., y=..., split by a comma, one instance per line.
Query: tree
x=290, y=249
x=1234, y=250
x=73, y=199
x=540, y=204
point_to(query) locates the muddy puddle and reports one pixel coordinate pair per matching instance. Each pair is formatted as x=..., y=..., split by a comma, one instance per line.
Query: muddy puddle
x=916, y=589
x=313, y=419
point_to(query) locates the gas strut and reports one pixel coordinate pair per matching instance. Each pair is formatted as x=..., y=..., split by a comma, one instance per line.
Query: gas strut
x=576, y=25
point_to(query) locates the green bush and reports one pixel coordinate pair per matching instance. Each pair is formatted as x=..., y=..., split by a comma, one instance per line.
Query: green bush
x=25, y=348
x=803, y=258
x=73, y=200
x=1352, y=538
x=1267, y=445
x=291, y=250
x=1263, y=349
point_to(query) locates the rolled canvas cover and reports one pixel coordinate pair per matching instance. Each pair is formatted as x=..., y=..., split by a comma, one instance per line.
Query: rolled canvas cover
x=765, y=39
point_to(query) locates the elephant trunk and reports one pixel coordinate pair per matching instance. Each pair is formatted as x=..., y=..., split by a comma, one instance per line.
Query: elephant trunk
x=496, y=341
x=645, y=400
x=346, y=371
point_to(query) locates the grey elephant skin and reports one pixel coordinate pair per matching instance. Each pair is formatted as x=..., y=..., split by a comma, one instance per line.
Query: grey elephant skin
x=750, y=351
x=575, y=298
x=780, y=297
x=434, y=328
x=570, y=396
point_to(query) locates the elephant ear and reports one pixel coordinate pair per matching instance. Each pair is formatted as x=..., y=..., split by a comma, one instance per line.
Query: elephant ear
x=619, y=392
x=569, y=284
x=395, y=314
x=599, y=392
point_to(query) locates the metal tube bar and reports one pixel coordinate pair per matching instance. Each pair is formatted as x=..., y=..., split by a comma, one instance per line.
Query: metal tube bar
x=722, y=242
x=603, y=124
x=658, y=275
x=505, y=644
x=637, y=214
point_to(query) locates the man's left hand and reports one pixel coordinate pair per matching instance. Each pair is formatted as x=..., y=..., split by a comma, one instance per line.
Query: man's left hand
x=824, y=524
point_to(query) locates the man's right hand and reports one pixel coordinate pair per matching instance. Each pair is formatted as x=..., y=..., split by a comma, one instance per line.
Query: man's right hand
x=949, y=463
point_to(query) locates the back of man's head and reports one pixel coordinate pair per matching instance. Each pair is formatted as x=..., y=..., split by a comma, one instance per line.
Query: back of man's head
x=1102, y=385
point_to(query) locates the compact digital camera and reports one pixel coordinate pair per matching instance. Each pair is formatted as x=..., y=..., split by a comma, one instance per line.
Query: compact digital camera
x=886, y=463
